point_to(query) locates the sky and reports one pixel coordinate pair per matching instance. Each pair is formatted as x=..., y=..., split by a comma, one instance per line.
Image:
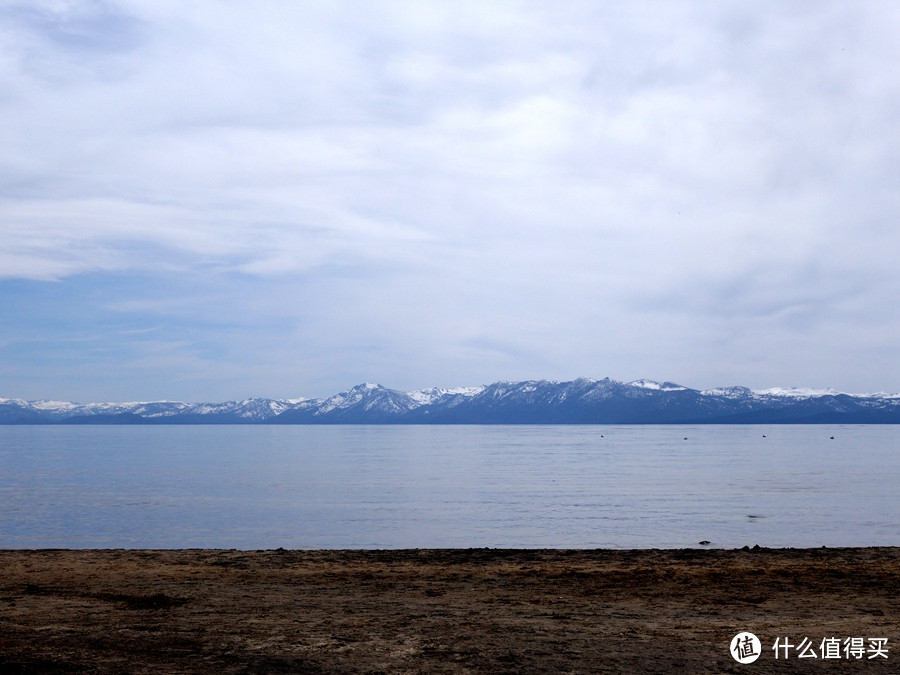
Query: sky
x=216, y=200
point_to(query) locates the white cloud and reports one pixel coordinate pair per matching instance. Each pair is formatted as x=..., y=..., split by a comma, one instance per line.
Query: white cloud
x=563, y=183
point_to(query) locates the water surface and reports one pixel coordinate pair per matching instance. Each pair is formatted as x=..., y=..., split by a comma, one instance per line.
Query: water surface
x=255, y=487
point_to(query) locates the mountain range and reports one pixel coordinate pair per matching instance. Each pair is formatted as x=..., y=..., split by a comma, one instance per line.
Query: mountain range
x=581, y=401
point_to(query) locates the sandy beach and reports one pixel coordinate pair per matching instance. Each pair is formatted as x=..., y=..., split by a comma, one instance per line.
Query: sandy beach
x=443, y=611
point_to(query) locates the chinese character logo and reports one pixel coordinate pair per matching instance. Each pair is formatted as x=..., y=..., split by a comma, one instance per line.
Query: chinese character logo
x=830, y=648
x=745, y=647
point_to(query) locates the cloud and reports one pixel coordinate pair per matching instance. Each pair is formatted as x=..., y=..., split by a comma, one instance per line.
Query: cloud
x=453, y=193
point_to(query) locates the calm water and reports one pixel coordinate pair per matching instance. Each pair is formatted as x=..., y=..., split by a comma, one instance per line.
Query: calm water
x=460, y=486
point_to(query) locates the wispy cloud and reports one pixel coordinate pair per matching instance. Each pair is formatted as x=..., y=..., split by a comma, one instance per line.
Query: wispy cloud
x=450, y=193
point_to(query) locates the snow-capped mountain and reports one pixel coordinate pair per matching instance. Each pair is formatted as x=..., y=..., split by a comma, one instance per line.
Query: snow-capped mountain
x=250, y=410
x=581, y=401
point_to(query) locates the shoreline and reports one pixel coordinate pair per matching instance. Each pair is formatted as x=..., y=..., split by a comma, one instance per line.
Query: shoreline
x=439, y=610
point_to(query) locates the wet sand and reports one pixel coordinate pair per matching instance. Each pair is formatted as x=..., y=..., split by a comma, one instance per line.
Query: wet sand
x=440, y=611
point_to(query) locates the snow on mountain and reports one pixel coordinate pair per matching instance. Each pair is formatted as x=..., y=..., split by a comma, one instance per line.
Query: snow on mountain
x=249, y=409
x=583, y=401
x=657, y=386
x=728, y=392
x=801, y=392
x=434, y=394
x=370, y=397
x=53, y=405
x=881, y=395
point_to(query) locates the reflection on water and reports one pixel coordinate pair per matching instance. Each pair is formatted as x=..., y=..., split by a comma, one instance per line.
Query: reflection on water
x=448, y=486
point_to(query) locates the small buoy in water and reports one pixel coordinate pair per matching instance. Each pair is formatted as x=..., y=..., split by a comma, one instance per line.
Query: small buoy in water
x=832, y=438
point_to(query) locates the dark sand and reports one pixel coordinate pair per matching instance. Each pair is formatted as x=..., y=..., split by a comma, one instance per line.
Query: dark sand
x=440, y=611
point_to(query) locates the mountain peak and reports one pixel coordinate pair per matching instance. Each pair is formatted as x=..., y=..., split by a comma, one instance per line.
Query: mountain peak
x=366, y=386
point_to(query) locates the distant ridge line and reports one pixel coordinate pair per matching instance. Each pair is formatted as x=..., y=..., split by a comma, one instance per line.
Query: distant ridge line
x=580, y=401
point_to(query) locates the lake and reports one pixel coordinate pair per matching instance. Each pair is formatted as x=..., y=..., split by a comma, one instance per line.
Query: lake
x=308, y=487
